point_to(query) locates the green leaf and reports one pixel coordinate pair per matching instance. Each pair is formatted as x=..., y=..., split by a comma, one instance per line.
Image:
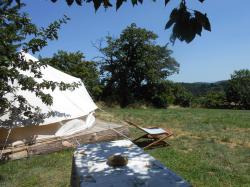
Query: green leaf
x=196, y=26
x=97, y=4
x=119, y=3
x=18, y=2
x=169, y=23
x=70, y=2
x=190, y=30
x=134, y=2
x=107, y=3
x=79, y=2
x=166, y=2
x=140, y=1
x=203, y=20
x=174, y=14
x=207, y=25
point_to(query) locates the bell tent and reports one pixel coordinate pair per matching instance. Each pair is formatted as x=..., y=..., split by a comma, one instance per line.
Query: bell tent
x=72, y=111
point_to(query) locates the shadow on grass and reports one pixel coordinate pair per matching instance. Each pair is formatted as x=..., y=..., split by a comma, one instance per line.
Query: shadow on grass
x=3, y=161
x=144, y=143
x=1, y=178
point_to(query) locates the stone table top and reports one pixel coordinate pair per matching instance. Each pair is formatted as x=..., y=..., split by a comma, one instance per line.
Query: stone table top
x=90, y=168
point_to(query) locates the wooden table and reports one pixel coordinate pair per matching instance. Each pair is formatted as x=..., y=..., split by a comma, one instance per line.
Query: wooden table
x=89, y=167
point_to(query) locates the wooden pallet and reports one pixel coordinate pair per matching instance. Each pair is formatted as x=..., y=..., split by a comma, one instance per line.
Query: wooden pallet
x=101, y=131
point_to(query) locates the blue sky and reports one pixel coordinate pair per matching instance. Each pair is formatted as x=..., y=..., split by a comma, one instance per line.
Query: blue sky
x=209, y=58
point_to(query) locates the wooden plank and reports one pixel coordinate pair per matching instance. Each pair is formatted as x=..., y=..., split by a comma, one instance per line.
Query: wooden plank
x=102, y=131
x=53, y=146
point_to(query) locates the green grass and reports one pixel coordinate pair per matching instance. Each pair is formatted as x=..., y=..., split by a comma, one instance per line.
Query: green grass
x=209, y=148
x=45, y=170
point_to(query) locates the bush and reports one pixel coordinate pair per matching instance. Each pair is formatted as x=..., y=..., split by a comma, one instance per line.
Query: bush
x=214, y=100
x=182, y=96
x=238, y=91
x=160, y=101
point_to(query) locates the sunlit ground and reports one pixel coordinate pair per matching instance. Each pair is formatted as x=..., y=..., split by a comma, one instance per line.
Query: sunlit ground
x=209, y=148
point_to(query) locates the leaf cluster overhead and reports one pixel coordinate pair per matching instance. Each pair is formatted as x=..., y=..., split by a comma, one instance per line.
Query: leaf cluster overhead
x=187, y=23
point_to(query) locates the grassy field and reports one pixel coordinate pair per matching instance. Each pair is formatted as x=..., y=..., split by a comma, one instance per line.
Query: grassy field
x=209, y=148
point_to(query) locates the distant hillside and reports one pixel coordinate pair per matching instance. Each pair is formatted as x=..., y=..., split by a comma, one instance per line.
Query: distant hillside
x=202, y=88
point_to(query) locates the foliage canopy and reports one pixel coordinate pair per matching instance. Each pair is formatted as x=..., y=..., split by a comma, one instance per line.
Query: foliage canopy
x=18, y=33
x=239, y=88
x=133, y=62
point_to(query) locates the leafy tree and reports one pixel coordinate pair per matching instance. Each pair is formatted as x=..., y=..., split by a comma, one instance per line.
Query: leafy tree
x=187, y=23
x=161, y=94
x=238, y=90
x=182, y=96
x=215, y=100
x=164, y=93
x=76, y=65
x=132, y=62
x=17, y=33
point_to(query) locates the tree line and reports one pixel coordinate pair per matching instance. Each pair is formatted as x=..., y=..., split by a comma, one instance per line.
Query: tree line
x=230, y=94
x=132, y=70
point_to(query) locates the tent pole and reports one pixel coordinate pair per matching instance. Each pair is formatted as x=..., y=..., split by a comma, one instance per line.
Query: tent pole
x=9, y=131
x=120, y=133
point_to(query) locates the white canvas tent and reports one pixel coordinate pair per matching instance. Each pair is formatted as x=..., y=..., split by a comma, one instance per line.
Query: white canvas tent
x=73, y=111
